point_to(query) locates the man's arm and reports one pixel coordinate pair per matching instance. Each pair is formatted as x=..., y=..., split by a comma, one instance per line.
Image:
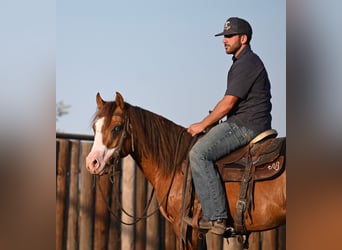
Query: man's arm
x=221, y=109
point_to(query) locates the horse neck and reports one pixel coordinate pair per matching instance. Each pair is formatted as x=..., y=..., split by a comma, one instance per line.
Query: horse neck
x=157, y=143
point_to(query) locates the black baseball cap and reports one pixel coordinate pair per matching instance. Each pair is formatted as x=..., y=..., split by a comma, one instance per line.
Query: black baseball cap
x=236, y=25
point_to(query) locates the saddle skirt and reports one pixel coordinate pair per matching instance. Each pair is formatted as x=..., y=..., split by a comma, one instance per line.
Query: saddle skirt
x=267, y=155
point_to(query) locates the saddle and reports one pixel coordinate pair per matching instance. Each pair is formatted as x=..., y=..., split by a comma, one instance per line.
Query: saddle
x=264, y=152
x=262, y=159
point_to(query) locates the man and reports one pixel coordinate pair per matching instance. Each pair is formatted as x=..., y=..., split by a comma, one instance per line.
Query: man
x=247, y=105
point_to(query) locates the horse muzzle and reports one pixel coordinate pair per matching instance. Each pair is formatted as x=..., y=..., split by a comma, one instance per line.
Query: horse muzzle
x=97, y=161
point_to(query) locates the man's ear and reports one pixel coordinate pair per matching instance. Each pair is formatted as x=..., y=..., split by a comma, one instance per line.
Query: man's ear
x=243, y=39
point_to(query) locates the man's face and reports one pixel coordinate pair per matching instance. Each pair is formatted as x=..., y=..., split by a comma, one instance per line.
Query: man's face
x=232, y=44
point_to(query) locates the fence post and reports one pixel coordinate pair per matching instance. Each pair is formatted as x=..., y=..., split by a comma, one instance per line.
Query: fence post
x=73, y=196
x=170, y=237
x=254, y=241
x=281, y=237
x=269, y=239
x=114, y=238
x=152, y=227
x=86, y=204
x=127, y=232
x=140, y=201
x=61, y=192
x=101, y=212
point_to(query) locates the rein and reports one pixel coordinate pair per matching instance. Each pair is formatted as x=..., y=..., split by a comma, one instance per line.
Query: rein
x=144, y=216
x=115, y=169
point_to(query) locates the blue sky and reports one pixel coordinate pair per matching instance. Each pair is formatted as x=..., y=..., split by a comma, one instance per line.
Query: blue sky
x=160, y=55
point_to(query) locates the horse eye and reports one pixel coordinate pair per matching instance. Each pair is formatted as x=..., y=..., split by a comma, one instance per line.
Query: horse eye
x=117, y=129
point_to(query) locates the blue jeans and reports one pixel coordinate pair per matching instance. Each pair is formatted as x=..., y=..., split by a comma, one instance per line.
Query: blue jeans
x=219, y=141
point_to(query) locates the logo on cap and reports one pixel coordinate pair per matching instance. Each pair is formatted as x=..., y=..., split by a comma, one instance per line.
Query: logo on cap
x=227, y=25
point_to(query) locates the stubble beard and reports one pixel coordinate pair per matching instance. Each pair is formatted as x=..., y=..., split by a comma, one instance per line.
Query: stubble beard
x=228, y=49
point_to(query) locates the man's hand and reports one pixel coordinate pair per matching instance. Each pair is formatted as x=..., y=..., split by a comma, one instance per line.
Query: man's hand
x=196, y=128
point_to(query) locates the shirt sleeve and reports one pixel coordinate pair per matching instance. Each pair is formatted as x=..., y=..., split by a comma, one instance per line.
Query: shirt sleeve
x=241, y=77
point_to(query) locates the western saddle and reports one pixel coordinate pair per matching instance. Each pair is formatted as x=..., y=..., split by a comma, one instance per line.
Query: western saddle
x=263, y=158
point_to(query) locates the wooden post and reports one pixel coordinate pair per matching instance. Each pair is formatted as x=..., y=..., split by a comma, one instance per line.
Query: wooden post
x=61, y=191
x=101, y=213
x=127, y=232
x=73, y=196
x=140, y=201
x=269, y=240
x=114, y=241
x=170, y=237
x=282, y=237
x=152, y=232
x=86, y=204
x=254, y=241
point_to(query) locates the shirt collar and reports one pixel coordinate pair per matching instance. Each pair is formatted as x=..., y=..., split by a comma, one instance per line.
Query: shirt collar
x=243, y=52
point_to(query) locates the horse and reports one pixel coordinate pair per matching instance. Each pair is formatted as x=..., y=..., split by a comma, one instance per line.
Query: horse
x=159, y=148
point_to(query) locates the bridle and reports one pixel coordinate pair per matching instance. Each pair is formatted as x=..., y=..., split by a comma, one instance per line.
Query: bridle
x=116, y=154
x=115, y=169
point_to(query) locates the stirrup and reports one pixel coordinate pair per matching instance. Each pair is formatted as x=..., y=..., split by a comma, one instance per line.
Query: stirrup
x=230, y=232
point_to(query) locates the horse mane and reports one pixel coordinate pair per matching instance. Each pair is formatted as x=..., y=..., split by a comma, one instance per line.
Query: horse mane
x=157, y=137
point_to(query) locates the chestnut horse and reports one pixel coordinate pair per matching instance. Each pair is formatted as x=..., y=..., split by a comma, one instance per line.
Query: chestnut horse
x=159, y=148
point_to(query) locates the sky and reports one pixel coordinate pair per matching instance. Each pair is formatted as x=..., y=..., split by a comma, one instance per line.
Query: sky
x=160, y=55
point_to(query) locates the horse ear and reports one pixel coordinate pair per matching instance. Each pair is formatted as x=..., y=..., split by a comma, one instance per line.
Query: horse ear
x=119, y=100
x=99, y=101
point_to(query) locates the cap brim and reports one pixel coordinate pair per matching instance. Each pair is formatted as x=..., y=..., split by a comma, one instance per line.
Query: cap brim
x=220, y=34
x=227, y=33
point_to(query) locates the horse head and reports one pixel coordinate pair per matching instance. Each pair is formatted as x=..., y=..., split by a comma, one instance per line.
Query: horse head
x=111, y=135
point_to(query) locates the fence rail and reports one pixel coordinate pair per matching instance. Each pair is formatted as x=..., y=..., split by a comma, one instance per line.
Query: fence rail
x=83, y=220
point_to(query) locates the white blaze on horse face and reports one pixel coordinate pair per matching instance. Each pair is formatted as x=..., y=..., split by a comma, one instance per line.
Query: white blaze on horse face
x=99, y=154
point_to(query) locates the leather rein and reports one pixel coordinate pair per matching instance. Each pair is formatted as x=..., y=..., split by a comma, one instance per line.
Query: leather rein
x=115, y=169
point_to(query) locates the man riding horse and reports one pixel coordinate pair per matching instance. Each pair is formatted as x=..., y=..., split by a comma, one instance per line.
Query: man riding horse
x=247, y=105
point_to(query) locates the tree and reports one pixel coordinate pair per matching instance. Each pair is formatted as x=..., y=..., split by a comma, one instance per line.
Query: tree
x=61, y=109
